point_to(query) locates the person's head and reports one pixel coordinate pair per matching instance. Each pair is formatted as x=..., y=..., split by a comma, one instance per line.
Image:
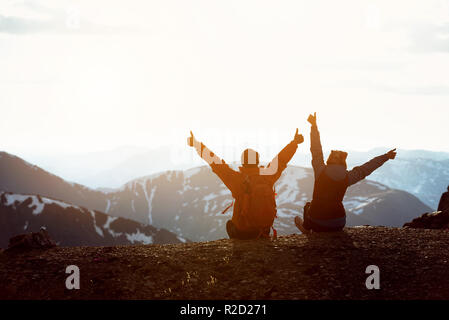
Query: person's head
x=447, y=188
x=250, y=158
x=338, y=158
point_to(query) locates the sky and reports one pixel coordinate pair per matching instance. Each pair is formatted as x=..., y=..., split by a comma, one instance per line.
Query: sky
x=92, y=75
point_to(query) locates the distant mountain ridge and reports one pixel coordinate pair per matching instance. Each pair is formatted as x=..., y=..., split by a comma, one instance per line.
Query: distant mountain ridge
x=111, y=169
x=189, y=203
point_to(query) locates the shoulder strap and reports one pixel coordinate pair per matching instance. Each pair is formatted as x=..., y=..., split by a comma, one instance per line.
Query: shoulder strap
x=228, y=207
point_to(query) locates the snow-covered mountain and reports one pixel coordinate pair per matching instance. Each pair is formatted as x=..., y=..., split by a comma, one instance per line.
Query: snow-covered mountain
x=19, y=176
x=189, y=203
x=425, y=178
x=70, y=225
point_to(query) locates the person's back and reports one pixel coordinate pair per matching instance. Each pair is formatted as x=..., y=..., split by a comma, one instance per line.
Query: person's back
x=329, y=191
x=444, y=201
x=252, y=188
x=255, y=204
x=326, y=212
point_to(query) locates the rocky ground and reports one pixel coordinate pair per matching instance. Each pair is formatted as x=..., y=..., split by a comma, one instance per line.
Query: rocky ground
x=413, y=265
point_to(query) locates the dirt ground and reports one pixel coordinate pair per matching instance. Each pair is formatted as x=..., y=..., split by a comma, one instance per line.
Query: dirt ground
x=413, y=264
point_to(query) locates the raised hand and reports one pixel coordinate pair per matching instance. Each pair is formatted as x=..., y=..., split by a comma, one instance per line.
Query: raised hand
x=312, y=119
x=392, y=154
x=191, y=140
x=299, y=138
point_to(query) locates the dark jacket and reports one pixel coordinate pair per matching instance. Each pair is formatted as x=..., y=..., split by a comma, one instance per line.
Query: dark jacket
x=332, y=181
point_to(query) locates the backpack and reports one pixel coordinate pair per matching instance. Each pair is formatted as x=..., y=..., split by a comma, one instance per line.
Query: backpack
x=258, y=205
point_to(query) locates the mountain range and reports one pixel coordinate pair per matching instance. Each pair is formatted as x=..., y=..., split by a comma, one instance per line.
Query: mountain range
x=422, y=173
x=189, y=202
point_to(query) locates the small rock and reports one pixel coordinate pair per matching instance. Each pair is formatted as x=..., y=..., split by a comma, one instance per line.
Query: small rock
x=34, y=240
x=434, y=220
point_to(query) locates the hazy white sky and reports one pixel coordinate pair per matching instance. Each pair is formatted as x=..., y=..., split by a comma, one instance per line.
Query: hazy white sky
x=90, y=75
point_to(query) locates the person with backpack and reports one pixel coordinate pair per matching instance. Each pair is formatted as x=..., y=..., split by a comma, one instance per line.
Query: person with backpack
x=252, y=188
x=326, y=212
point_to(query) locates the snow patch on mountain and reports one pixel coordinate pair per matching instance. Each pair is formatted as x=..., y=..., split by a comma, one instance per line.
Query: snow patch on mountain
x=36, y=201
x=139, y=237
x=13, y=199
x=357, y=204
x=108, y=205
x=109, y=221
x=191, y=172
x=377, y=185
x=97, y=229
x=209, y=197
x=149, y=201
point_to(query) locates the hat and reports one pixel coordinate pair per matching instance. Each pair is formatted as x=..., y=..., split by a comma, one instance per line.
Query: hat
x=250, y=157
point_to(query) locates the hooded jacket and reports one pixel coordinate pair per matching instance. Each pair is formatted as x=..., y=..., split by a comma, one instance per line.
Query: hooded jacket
x=331, y=183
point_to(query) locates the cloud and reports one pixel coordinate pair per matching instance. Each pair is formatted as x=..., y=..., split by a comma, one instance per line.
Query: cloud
x=18, y=25
x=55, y=21
x=401, y=89
x=430, y=38
x=419, y=90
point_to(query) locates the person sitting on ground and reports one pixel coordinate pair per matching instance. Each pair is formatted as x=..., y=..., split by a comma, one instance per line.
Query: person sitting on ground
x=444, y=201
x=326, y=212
x=252, y=188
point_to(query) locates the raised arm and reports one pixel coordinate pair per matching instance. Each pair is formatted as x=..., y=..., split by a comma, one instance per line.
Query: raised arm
x=315, y=147
x=203, y=151
x=359, y=173
x=279, y=163
x=219, y=166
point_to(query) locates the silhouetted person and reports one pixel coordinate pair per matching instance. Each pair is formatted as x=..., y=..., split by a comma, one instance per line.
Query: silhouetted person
x=326, y=211
x=252, y=188
x=444, y=201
